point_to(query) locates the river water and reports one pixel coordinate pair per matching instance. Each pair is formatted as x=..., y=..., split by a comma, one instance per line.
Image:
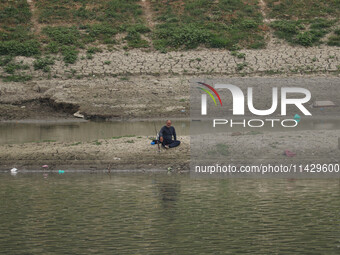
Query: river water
x=84, y=131
x=80, y=131
x=74, y=213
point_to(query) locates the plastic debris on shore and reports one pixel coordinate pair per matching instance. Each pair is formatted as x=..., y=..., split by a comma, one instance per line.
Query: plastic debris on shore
x=297, y=118
x=14, y=171
x=61, y=171
x=78, y=115
x=289, y=153
x=45, y=166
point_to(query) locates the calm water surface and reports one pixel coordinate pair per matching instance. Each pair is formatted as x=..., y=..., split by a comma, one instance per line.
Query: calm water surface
x=77, y=213
x=84, y=131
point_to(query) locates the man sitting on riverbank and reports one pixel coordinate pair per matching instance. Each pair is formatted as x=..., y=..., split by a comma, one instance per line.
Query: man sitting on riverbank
x=165, y=136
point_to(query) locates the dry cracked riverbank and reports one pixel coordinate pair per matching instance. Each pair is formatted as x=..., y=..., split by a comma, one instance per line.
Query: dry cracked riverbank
x=273, y=60
x=138, y=84
x=139, y=97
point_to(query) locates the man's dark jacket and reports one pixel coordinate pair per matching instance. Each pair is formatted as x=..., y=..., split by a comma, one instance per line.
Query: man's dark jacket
x=167, y=133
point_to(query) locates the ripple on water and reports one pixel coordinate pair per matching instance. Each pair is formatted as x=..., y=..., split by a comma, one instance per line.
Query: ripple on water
x=160, y=214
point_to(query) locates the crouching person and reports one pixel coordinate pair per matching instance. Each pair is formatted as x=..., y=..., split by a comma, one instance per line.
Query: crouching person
x=165, y=136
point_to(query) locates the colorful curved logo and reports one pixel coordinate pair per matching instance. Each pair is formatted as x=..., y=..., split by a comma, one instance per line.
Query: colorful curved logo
x=209, y=93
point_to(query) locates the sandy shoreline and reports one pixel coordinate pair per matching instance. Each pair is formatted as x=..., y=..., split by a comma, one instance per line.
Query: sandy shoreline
x=123, y=153
x=136, y=153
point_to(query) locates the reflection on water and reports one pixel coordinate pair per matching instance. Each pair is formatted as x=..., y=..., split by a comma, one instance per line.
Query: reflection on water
x=168, y=191
x=81, y=131
x=161, y=214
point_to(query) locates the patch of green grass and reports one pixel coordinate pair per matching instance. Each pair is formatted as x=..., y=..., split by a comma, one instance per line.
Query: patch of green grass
x=118, y=137
x=187, y=36
x=111, y=17
x=319, y=24
x=253, y=133
x=17, y=78
x=287, y=29
x=241, y=66
x=17, y=48
x=43, y=63
x=96, y=142
x=63, y=35
x=16, y=38
x=307, y=38
x=49, y=141
x=103, y=32
x=19, y=33
x=303, y=9
x=14, y=12
x=12, y=67
x=70, y=54
x=302, y=32
x=122, y=10
x=54, y=11
x=221, y=24
x=135, y=40
x=93, y=50
x=334, y=40
x=238, y=54
x=4, y=60
x=65, y=40
x=272, y=72
x=75, y=144
x=114, y=12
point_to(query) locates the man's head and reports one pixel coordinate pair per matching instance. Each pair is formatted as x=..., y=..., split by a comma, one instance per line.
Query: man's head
x=168, y=123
